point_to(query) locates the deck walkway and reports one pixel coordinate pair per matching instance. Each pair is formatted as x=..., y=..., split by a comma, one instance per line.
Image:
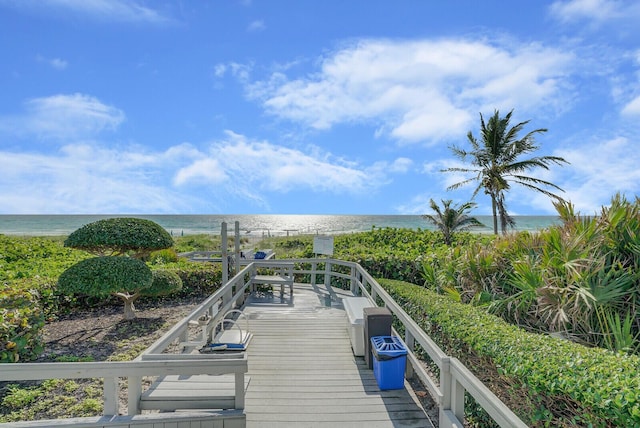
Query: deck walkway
x=303, y=373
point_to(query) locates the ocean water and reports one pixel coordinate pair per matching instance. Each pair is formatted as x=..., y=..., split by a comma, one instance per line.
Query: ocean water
x=261, y=225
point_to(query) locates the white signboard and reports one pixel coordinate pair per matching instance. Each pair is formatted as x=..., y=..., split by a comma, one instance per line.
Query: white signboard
x=323, y=245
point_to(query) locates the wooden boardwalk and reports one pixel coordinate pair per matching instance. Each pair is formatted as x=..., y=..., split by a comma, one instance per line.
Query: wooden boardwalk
x=303, y=373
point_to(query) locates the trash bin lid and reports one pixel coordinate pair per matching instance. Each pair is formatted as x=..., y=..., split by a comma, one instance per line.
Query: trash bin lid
x=390, y=346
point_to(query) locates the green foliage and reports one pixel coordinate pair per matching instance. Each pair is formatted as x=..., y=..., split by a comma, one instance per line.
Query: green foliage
x=167, y=255
x=52, y=399
x=591, y=387
x=21, y=323
x=579, y=280
x=450, y=219
x=17, y=397
x=201, y=242
x=118, y=236
x=497, y=163
x=102, y=276
x=34, y=257
x=197, y=278
x=164, y=282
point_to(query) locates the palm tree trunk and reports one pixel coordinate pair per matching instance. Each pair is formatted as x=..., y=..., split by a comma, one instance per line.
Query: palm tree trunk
x=495, y=214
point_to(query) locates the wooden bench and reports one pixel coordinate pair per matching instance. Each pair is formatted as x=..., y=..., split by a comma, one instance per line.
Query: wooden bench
x=221, y=386
x=282, y=276
x=354, y=307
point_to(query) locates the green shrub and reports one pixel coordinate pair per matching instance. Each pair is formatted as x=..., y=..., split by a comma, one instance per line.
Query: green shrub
x=103, y=276
x=587, y=386
x=197, y=278
x=167, y=255
x=118, y=236
x=21, y=323
x=164, y=282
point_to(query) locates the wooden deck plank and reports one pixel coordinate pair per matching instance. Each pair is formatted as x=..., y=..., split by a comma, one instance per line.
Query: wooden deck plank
x=304, y=374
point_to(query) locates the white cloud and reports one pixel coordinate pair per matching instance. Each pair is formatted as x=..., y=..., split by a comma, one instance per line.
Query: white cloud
x=56, y=63
x=256, y=26
x=116, y=10
x=426, y=90
x=599, y=170
x=632, y=108
x=620, y=15
x=93, y=178
x=208, y=170
x=599, y=10
x=87, y=179
x=255, y=166
x=63, y=117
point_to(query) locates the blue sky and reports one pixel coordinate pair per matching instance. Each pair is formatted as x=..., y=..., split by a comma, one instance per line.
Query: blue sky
x=307, y=107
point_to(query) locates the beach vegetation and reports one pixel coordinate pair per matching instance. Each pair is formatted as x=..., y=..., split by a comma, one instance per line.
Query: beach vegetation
x=122, y=245
x=124, y=277
x=21, y=321
x=134, y=237
x=578, y=280
x=545, y=379
x=450, y=219
x=496, y=159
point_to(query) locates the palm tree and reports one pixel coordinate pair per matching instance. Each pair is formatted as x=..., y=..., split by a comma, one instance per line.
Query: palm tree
x=496, y=163
x=451, y=219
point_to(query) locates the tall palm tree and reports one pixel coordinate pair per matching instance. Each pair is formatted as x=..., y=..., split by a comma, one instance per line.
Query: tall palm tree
x=496, y=163
x=451, y=219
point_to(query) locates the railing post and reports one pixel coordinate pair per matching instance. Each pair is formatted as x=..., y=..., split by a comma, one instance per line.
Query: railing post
x=225, y=260
x=239, y=401
x=111, y=398
x=354, y=281
x=327, y=273
x=457, y=399
x=314, y=268
x=410, y=342
x=236, y=263
x=445, y=387
x=134, y=390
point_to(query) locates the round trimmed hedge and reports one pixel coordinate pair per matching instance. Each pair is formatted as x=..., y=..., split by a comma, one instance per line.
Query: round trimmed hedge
x=103, y=276
x=116, y=236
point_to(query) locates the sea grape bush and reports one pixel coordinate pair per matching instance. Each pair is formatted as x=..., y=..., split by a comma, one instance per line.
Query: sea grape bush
x=21, y=322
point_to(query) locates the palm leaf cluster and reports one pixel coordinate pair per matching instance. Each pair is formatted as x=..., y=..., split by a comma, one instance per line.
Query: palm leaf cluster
x=497, y=163
x=450, y=219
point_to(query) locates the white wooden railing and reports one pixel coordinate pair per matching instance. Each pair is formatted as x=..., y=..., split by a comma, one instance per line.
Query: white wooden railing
x=448, y=391
x=455, y=379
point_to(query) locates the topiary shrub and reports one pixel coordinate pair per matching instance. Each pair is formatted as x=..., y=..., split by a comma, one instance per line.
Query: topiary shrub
x=124, y=277
x=118, y=236
x=21, y=323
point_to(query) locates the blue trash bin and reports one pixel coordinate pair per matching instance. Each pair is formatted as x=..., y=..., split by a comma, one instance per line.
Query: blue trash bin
x=389, y=361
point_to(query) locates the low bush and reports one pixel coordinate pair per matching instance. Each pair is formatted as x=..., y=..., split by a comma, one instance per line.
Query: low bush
x=21, y=322
x=569, y=383
x=164, y=282
x=197, y=278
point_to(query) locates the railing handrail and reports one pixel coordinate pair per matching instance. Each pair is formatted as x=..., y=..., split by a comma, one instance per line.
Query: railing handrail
x=455, y=378
x=107, y=369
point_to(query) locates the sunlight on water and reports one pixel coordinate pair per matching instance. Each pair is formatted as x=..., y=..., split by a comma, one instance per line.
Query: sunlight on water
x=251, y=225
